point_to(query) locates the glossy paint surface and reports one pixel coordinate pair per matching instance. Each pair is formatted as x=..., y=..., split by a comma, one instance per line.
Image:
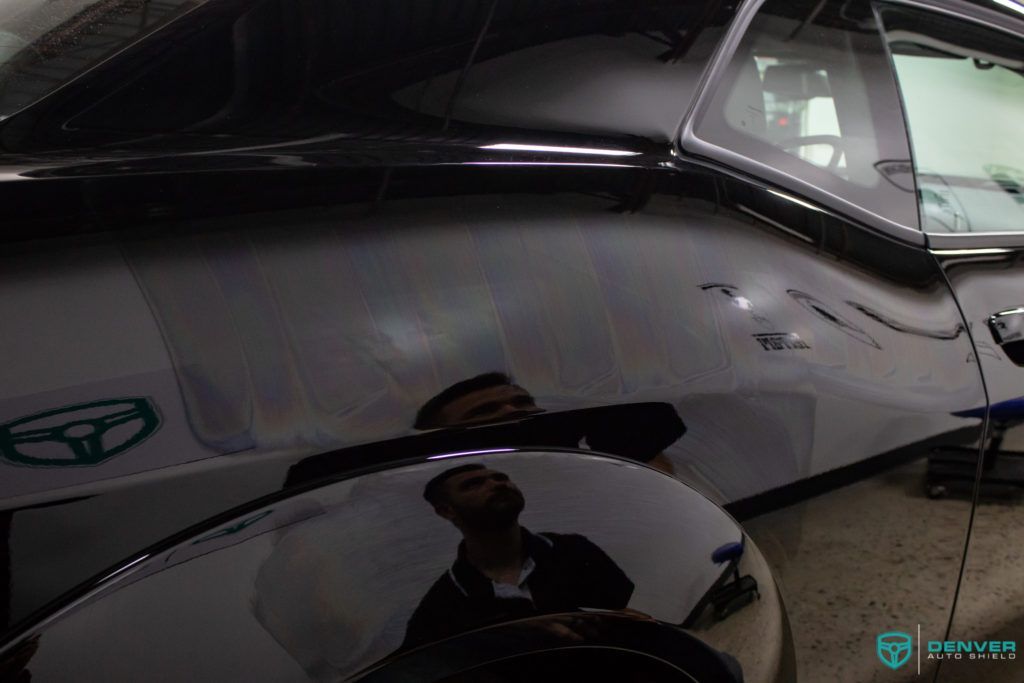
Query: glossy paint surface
x=747, y=332
x=260, y=289
x=990, y=590
x=324, y=584
x=964, y=189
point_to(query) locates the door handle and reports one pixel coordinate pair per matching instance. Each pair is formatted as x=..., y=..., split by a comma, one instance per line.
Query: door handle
x=1007, y=329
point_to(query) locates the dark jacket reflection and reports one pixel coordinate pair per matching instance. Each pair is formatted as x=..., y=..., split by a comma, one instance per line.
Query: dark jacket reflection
x=562, y=573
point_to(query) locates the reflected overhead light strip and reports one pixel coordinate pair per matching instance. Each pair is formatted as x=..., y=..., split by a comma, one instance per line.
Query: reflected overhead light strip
x=513, y=147
x=546, y=163
x=1010, y=4
x=793, y=199
x=462, y=453
x=970, y=252
x=774, y=224
x=123, y=569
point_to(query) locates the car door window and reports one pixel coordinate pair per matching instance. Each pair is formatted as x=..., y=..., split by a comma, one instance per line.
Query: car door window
x=963, y=90
x=806, y=101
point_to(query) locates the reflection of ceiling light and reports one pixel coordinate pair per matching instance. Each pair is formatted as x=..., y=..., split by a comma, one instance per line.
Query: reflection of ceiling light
x=511, y=147
x=1011, y=4
x=970, y=252
x=125, y=568
x=543, y=163
x=459, y=455
x=795, y=200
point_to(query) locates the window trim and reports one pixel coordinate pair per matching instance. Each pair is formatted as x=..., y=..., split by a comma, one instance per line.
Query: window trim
x=975, y=240
x=687, y=143
x=964, y=11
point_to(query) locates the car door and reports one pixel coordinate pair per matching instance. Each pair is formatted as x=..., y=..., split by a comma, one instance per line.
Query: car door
x=968, y=155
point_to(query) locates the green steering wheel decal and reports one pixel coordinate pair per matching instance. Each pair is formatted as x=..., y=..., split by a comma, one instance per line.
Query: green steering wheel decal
x=79, y=435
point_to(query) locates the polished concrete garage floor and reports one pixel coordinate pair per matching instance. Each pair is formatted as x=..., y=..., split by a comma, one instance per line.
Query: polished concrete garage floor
x=843, y=586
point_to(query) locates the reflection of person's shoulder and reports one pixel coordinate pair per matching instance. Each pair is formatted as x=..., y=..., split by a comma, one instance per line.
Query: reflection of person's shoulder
x=573, y=547
x=568, y=542
x=432, y=617
x=441, y=593
x=596, y=580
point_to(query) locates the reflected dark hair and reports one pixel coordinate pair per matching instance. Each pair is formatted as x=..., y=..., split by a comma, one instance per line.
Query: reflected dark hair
x=429, y=415
x=434, y=490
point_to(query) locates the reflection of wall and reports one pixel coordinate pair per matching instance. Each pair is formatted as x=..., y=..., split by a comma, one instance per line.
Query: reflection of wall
x=307, y=339
x=594, y=84
x=76, y=330
x=332, y=337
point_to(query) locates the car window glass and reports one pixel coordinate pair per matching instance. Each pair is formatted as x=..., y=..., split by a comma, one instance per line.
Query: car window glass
x=808, y=94
x=967, y=135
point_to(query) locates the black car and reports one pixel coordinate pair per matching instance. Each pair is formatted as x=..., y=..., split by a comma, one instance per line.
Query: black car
x=495, y=340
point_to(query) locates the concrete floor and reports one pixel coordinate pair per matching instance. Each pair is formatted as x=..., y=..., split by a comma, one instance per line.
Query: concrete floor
x=880, y=556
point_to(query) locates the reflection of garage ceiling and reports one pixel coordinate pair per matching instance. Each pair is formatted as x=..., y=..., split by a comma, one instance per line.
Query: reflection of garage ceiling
x=594, y=83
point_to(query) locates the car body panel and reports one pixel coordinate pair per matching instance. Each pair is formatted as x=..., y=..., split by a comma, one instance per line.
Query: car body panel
x=282, y=287
x=990, y=580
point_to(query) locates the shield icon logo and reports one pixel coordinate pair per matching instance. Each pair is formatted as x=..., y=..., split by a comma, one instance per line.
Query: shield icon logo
x=894, y=648
x=77, y=435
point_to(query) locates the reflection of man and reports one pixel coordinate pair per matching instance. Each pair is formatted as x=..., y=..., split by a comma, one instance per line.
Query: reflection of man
x=503, y=571
x=494, y=397
x=491, y=397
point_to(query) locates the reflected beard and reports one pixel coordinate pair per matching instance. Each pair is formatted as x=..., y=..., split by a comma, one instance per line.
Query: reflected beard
x=501, y=510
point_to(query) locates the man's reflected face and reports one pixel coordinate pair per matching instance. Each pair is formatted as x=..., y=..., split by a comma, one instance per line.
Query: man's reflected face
x=482, y=498
x=493, y=404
